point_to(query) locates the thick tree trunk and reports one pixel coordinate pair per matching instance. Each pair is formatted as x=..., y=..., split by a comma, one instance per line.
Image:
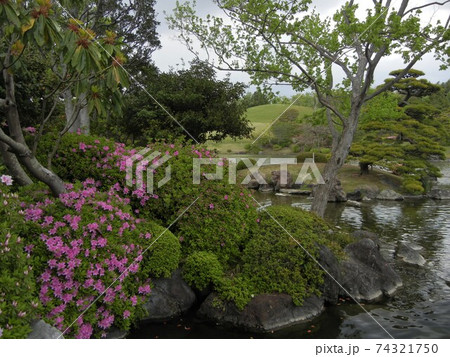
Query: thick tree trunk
x=14, y=167
x=340, y=152
x=17, y=145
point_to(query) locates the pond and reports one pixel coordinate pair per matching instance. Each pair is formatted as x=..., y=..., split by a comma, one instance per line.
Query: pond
x=420, y=309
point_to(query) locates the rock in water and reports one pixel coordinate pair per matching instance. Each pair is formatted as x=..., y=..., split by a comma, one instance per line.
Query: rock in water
x=278, y=182
x=390, y=195
x=330, y=289
x=264, y=313
x=337, y=193
x=42, y=330
x=169, y=298
x=365, y=274
x=253, y=184
x=439, y=194
x=409, y=255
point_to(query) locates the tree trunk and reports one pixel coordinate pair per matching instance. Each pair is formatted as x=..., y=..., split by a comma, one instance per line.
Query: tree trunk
x=339, y=155
x=14, y=167
x=16, y=142
x=77, y=116
x=364, y=168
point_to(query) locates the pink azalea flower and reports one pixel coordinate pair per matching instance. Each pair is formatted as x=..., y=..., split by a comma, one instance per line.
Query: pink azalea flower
x=7, y=180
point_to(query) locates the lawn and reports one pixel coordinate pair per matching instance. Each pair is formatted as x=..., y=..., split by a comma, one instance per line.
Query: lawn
x=261, y=117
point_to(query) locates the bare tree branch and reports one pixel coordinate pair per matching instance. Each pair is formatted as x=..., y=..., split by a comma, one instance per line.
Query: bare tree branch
x=426, y=5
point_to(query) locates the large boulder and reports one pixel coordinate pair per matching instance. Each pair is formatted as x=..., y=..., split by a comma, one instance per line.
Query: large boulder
x=264, y=313
x=439, y=194
x=365, y=274
x=330, y=289
x=356, y=195
x=337, y=193
x=278, y=182
x=409, y=255
x=390, y=195
x=42, y=330
x=253, y=184
x=170, y=298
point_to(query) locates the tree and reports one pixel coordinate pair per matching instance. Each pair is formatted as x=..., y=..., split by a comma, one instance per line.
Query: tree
x=399, y=142
x=207, y=108
x=132, y=23
x=90, y=69
x=410, y=86
x=288, y=42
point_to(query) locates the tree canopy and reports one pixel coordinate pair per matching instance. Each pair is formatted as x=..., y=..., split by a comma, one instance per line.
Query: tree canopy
x=288, y=42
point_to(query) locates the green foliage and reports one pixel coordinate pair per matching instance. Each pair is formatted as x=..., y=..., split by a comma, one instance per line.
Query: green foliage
x=165, y=252
x=202, y=269
x=275, y=262
x=206, y=107
x=409, y=86
x=318, y=157
x=220, y=222
x=19, y=302
x=80, y=157
x=242, y=166
x=413, y=186
x=401, y=139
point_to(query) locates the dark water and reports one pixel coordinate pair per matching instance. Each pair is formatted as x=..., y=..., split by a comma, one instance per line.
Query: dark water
x=420, y=309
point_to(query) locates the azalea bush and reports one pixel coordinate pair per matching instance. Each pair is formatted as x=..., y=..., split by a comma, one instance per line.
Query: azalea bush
x=88, y=244
x=19, y=303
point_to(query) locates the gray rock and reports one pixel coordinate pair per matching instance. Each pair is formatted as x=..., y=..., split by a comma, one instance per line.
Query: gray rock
x=295, y=191
x=277, y=182
x=409, y=255
x=356, y=195
x=390, y=195
x=116, y=334
x=439, y=194
x=42, y=330
x=337, y=193
x=253, y=184
x=169, y=298
x=330, y=289
x=352, y=203
x=369, y=191
x=265, y=188
x=365, y=274
x=265, y=312
x=361, y=234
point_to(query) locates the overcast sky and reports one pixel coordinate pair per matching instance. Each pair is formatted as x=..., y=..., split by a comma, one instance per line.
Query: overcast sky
x=174, y=53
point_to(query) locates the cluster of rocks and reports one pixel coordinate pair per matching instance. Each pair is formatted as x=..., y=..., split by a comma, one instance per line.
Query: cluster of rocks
x=282, y=183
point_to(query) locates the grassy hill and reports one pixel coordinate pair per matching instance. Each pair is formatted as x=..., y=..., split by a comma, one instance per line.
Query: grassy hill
x=260, y=117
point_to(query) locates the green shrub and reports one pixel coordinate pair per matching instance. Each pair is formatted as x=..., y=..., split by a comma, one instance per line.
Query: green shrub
x=80, y=157
x=202, y=269
x=413, y=186
x=274, y=262
x=220, y=222
x=19, y=302
x=318, y=157
x=242, y=166
x=165, y=252
x=238, y=289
